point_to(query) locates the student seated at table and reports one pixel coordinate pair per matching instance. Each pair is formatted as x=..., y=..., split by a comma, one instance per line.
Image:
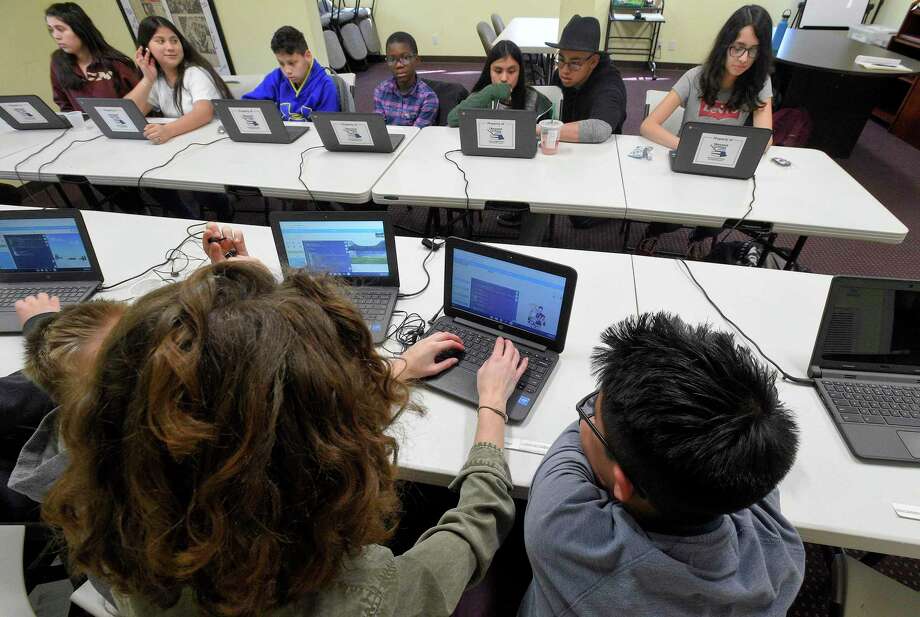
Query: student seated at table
x=404, y=99
x=733, y=84
x=502, y=86
x=59, y=345
x=230, y=456
x=663, y=499
x=84, y=65
x=300, y=85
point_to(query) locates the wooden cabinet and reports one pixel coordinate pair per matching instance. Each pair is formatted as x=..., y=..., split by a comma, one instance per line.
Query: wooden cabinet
x=899, y=107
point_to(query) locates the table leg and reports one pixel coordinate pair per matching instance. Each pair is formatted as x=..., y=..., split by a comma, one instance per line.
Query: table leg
x=796, y=251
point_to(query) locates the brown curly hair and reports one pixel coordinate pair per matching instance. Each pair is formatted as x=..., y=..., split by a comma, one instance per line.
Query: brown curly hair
x=231, y=442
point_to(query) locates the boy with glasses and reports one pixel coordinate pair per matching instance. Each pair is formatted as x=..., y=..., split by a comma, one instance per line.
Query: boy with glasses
x=404, y=99
x=662, y=498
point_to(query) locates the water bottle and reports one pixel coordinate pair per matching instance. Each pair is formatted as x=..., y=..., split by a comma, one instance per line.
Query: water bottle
x=781, y=30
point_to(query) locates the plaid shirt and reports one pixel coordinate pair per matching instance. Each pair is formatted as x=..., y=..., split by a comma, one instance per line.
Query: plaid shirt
x=418, y=107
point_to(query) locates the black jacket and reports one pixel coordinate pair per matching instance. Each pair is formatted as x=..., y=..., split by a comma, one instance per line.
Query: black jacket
x=601, y=97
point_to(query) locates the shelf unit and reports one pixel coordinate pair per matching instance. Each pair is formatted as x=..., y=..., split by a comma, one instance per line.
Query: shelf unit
x=899, y=107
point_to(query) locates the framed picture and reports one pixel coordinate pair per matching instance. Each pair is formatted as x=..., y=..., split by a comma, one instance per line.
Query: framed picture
x=196, y=20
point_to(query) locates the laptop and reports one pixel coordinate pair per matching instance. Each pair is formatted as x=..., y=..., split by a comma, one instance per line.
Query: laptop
x=116, y=118
x=44, y=251
x=498, y=132
x=866, y=366
x=354, y=132
x=358, y=248
x=490, y=292
x=28, y=112
x=256, y=122
x=725, y=151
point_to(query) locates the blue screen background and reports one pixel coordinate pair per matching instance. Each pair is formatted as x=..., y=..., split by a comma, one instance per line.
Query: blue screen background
x=341, y=248
x=42, y=245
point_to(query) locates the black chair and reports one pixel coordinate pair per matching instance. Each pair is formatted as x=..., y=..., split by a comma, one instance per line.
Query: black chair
x=449, y=95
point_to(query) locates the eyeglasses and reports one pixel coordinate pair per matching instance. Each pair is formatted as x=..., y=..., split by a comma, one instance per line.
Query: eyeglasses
x=573, y=65
x=736, y=51
x=403, y=59
x=585, y=409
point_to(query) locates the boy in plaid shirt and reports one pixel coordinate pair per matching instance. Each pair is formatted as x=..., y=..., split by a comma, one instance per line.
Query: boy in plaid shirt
x=404, y=99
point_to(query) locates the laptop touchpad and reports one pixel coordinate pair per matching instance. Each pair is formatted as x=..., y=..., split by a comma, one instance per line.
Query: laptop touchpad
x=912, y=441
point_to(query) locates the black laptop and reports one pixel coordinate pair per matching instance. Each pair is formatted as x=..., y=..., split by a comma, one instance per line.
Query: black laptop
x=355, y=132
x=357, y=247
x=866, y=365
x=509, y=133
x=44, y=251
x=28, y=112
x=256, y=122
x=725, y=151
x=116, y=118
x=490, y=292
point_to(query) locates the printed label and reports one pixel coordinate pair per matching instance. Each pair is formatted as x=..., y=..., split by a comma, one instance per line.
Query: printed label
x=495, y=134
x=250, y=121
x=719, y=150
x=351, y=133
x=24, y=113
x=117, y=119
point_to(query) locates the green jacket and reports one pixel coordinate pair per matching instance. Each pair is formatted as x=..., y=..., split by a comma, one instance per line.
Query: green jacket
x=483, y=99
x=426, y=580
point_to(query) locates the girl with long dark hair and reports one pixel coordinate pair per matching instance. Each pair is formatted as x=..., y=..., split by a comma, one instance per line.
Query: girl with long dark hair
x=502, y=85
x=84, y=64
x=733, y=84
x=177, y=80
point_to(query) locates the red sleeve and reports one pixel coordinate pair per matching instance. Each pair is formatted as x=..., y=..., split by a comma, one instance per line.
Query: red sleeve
x=59, y=94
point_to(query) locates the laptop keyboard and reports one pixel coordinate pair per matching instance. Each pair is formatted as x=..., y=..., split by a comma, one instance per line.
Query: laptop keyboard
x=873, y=403
x=371, y=303
x=68, y=295
x=478, y=347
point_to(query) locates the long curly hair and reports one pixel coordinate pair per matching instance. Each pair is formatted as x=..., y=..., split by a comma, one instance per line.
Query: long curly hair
x=231, y=443
x=749, y=84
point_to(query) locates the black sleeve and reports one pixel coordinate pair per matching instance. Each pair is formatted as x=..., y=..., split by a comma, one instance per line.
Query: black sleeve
x=609, y=103
x=22, y=406
x=37, y=322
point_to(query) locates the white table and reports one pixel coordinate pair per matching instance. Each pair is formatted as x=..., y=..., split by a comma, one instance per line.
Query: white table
x=17, y=145
x=531, y=34
x=829, y=495
x=579, y=179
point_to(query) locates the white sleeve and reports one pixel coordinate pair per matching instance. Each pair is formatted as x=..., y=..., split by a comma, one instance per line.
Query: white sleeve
x=199, y=85
x=153, y=98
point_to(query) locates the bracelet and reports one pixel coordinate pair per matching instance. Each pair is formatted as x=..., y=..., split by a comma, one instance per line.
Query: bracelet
x=494, y=410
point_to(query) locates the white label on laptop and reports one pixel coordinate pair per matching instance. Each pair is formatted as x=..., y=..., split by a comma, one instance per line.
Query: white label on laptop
x=495, y=134
x=250, y=120
x=117, y=119
x=719, y=150
x=352, y=133
x=24, y=113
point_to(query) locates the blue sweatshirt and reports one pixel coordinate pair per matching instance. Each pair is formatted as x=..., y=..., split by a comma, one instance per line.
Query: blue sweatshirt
x=317, y=93
x=591, y=557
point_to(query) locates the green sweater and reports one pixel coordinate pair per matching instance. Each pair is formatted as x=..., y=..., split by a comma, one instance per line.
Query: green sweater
x=426, y=580
x=495, y=93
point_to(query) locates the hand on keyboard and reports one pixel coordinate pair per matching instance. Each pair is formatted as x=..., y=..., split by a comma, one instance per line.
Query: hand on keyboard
x=30, y=306
x=431, y=355
x=501, y=372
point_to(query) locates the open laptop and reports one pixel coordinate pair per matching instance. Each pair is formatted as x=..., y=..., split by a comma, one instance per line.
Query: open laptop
x=28, y=112
x=866, y=365
x=116, y=118
x=725, y=151
x=358, y=248
x=354, y=132
x=256, y=122
x=490, y=292
x=44, y=251
x=498, y=132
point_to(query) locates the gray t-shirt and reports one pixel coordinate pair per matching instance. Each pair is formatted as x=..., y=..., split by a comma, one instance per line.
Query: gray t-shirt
x=696, y=109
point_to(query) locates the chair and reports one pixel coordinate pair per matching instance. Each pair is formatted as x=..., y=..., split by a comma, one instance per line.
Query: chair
x=334, y=52
x=486, y=35
x=241, y=84
x=498, y=23
x=345, y=88
x=13, y=597
x=554, y=94
x=353, y=42
x=675, y=121
x=449, y=95
x=861, y=591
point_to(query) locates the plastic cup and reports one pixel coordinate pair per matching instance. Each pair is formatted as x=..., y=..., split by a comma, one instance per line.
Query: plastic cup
x=75, y=118
x=549, y=136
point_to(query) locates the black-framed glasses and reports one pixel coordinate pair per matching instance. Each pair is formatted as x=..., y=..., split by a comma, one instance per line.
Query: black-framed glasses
x=585, y=409
x=573, y=65
x=738, y=50
x=403, y=59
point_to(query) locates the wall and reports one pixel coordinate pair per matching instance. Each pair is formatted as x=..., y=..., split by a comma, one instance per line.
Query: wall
x=892, y=14
x=25, y=46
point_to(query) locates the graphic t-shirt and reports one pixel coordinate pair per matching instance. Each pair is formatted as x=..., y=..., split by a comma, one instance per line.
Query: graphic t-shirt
x=696, y=109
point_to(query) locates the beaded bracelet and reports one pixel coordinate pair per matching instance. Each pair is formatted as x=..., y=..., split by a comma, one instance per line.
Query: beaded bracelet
x=493, y=409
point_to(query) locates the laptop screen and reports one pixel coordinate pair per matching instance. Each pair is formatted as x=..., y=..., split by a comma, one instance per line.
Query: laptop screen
x=42, y=245
x=507, y=293
x=874, y=325
x=342, y=248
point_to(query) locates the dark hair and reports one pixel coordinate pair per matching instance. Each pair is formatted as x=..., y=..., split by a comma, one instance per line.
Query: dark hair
x=64, y=64
x=748, y=85
x=289, y=40
x=503, y=49
x=231, y=441
x=405, y=38
x=190, y=57
x=692, y=418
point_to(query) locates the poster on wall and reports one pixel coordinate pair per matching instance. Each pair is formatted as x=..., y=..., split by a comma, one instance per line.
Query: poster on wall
x=195, y=19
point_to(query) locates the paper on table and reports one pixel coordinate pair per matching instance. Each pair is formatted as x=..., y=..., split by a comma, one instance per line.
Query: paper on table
x=906, y=511
x=526, y=445
x=878, y=60
x=882, y=67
